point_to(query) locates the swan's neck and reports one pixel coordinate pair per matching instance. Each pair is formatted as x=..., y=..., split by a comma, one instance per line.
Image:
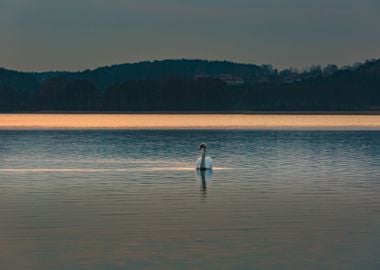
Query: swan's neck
x=203, y=161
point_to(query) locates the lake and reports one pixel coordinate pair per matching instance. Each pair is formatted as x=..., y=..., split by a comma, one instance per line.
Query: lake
x=188, y=121
x=79, y=198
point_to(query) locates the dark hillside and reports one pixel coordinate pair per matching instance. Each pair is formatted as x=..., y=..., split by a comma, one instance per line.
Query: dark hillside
x=193, y=85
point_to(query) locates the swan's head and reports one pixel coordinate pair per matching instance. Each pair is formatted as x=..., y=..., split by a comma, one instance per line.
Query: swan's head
x=202, y=146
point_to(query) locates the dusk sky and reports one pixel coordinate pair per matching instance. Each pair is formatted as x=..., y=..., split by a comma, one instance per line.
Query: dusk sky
x=44, y=35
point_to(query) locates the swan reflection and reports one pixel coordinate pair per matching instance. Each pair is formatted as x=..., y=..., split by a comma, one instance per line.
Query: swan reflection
x=204, y=176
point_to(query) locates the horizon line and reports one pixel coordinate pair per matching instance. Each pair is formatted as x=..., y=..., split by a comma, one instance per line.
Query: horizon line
x=185, y=59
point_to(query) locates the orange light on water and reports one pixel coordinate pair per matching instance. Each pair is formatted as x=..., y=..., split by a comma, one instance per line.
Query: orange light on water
x=186, y=121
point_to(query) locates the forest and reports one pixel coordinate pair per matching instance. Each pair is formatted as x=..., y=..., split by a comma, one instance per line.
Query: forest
x=194, y=85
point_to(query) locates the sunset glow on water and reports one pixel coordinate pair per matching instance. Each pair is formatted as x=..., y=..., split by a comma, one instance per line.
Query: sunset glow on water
x=187, y=121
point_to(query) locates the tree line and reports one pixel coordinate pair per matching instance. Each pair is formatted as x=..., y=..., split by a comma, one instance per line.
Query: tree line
x=316, y=89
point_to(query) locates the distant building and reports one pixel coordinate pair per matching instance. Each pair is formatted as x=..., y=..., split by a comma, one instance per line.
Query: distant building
x=226, y=78
x=231, y=79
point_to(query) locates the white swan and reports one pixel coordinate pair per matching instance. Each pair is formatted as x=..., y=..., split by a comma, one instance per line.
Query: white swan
x=203, y=162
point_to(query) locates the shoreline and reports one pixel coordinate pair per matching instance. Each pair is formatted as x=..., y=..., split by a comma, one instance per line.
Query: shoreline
x=375, y=112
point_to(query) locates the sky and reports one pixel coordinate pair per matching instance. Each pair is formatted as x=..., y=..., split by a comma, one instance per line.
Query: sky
x=41, y=35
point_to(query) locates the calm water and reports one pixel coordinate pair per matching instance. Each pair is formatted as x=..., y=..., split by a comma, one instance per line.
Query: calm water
x=132, y=200
x=189, y=121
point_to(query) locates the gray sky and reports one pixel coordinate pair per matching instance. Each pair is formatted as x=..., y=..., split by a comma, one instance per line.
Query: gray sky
x=78, y=34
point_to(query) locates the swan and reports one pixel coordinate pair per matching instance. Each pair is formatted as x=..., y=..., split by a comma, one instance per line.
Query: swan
x=203, y=162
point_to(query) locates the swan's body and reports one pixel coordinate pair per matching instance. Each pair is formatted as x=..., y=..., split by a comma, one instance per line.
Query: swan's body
x=207, y=165
x=204, y=162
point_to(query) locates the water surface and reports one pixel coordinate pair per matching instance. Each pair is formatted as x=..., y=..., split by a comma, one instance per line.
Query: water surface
x=188, y=121
x=113, y=199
